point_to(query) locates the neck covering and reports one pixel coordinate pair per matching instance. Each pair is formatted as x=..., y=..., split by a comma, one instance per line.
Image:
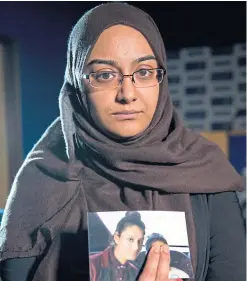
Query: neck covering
x=75, y=163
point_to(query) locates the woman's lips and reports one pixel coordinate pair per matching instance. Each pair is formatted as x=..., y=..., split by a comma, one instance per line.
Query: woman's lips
x=126, y=115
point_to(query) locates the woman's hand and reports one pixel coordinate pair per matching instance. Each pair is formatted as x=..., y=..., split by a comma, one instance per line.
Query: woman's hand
x=157, y=265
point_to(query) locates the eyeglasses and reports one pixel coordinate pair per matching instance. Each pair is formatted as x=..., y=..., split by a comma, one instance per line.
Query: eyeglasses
x=142, y=78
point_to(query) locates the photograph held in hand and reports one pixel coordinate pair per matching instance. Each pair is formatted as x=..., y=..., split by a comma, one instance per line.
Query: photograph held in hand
x=138, y=245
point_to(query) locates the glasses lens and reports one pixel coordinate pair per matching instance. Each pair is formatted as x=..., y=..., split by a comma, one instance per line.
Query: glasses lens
x=104, y=79
x=143, y=78
x=148, y=77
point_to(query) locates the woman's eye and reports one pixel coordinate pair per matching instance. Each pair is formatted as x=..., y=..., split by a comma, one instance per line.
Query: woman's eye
x=104, y=76
x=144, y=72
x=131, y=239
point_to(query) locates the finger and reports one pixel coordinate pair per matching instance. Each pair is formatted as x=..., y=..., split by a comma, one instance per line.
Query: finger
x=164, y=264
x=151, y=265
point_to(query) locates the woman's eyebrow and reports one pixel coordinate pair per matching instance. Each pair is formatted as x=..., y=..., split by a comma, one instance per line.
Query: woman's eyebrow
x=101, y=61
x=132, y=236
x=148, y=57
x=116, y=64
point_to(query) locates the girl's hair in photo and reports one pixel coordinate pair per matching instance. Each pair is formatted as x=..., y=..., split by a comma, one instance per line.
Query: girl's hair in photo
x=131, y=218
x=153, y=238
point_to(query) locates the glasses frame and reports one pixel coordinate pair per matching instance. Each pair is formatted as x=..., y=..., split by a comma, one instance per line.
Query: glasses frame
x=87, y=76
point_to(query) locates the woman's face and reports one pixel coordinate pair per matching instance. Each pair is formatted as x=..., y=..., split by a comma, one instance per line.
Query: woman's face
x=129, y=242
x=122, y=49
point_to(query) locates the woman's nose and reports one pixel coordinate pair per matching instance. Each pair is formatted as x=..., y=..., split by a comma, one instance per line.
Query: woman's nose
x=127, y=91
x=135, y=246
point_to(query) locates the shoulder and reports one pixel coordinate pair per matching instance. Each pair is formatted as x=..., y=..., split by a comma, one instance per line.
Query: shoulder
x=48, y=155
x=96, y=257
x=101, y=258
x=52, y=137
x=50, y=143
x=95, y=262
x=132, y=266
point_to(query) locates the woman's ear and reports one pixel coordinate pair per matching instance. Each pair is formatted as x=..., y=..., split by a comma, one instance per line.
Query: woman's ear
x=116, y=238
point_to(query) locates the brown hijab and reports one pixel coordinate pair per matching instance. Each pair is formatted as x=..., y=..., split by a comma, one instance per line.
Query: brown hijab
x=166, y=156
x=155, y=170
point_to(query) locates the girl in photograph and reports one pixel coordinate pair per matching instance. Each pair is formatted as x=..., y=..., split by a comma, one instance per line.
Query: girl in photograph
x=113, y=263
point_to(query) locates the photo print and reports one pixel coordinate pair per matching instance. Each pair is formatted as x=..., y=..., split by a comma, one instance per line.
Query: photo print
x=119, y=242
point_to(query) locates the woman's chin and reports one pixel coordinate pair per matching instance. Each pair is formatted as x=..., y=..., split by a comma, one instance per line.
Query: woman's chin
x=132, y=258
x=124, y=133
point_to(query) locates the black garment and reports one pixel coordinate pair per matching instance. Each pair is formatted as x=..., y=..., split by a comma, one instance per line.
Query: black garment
x=17, y=269
x=227, y=240
x=227, y=235
x=242, y=201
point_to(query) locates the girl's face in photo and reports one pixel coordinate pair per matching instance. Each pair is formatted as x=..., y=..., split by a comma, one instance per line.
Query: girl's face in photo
x=129, y=242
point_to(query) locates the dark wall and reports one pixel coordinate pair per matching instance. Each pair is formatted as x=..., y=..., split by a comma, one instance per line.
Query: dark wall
x=42, y=30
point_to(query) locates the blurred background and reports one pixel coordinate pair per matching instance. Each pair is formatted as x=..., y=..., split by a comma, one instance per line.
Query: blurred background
x=206, y=50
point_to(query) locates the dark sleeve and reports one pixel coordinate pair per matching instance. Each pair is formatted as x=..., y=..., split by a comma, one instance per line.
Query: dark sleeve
x=242, y=201
x=17, y=269
x=227, y=239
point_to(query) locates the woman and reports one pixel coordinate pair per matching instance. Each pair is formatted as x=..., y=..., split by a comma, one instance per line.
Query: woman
x=113, y=263
x=119, y=145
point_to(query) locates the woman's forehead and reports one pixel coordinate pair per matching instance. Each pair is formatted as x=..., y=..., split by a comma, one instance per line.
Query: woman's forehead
x=133, y=230
x=121, y=43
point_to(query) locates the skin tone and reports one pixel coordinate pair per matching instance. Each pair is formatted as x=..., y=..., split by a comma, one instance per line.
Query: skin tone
x=158, y=243
x=157, y=265
x=123, y=49
x=128, y=244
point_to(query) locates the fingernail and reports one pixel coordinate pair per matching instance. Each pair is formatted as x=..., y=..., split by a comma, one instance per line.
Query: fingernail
x=165, y=249
x=157, y=249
